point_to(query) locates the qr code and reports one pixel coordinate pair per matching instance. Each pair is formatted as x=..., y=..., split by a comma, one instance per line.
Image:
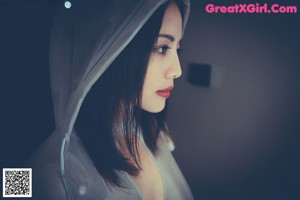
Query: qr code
x=17, y=182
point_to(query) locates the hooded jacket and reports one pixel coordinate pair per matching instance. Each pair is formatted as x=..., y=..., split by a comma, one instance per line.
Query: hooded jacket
x=85, y=40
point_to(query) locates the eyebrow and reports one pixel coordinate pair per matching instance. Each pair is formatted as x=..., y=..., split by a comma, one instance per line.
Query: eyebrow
x=167, y=36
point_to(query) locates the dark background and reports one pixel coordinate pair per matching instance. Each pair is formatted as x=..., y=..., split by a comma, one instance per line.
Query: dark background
x=236, y=138
x=26, y=105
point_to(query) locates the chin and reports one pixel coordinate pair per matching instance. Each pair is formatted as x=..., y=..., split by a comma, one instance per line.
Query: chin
x=154, y=108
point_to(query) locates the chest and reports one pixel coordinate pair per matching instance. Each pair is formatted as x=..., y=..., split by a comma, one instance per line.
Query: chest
x=149, y=181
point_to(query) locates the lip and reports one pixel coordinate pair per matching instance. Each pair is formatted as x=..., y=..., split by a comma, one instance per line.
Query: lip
x=165, y=93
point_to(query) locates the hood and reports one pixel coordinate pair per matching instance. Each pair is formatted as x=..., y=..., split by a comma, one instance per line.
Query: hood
x=85, y=40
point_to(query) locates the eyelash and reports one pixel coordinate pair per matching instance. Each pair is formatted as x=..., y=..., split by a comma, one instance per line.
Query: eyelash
x=164, y=49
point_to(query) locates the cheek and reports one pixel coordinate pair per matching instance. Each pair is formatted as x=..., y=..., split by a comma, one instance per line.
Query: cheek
x=151, y=102
x=149, y=84
x=155, y=71
x=154, y=78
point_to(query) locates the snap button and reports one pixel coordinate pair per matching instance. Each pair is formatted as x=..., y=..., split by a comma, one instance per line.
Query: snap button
x=82, y=190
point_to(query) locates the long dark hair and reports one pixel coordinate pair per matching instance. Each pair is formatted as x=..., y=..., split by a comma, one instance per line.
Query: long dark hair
x=112, y=108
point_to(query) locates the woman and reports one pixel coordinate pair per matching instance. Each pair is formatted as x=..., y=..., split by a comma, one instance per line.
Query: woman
x=113, y=65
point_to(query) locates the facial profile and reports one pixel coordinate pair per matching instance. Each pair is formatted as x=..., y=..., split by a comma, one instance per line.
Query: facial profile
x=164, y=65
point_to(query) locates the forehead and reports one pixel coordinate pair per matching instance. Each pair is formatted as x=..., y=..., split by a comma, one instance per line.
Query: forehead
x=172, y=21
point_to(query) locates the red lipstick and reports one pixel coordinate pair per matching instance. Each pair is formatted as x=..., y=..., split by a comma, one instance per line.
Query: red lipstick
x=165, y=93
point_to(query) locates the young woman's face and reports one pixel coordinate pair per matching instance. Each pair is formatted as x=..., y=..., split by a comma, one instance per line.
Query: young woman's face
x=164, y=65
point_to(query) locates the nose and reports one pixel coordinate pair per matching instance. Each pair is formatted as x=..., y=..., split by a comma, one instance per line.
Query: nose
x=174, y=71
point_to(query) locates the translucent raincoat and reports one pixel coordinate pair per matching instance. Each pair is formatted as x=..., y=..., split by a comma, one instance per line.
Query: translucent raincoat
x=85, y=41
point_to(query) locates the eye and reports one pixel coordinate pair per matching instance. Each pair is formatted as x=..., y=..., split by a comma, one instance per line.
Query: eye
x=162, y=49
